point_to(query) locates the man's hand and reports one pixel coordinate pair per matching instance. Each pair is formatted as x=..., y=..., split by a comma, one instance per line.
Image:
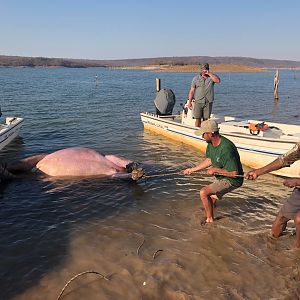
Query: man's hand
x=291, y=182
x=213, y=171
x=205, y=73
x=188, y=171
x=190, y=105
x=251, y=175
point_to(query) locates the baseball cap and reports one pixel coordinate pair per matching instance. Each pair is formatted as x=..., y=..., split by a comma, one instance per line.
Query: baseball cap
x=207, y=126
x=204, y=66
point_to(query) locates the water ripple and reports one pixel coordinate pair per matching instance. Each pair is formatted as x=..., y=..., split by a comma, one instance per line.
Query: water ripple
x=51, y=229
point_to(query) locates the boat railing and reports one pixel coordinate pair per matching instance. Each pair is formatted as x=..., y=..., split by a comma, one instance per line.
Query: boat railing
x=162, y=116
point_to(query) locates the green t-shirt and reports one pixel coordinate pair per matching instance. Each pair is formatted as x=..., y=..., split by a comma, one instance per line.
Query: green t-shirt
x=226, y=156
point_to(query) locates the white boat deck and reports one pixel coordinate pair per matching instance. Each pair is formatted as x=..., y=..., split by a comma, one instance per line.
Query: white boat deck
x=9, y=130
x=256, y=150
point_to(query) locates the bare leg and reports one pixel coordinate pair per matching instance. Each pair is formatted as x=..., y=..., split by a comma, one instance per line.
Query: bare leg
x=197, y=122
x=297, y=224
x=208, y=203
x=279, y=225
x=26, y=164
x=214, y=199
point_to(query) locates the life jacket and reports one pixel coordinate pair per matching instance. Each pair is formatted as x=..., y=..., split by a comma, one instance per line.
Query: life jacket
x=256, y=128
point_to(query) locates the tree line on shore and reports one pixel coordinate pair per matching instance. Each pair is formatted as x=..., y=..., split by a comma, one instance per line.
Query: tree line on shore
x=22, y=61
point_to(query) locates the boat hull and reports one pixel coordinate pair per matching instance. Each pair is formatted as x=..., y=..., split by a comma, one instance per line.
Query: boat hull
x=255, y=152
x=9, y=131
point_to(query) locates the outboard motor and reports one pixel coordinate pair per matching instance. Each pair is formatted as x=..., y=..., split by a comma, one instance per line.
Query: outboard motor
x=164, y=102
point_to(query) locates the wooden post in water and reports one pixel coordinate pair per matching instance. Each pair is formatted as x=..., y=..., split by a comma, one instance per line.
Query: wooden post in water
x=276, y=82
x=157, y=80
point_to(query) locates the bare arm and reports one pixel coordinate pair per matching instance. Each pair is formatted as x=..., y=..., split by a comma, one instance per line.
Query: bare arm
x=215, y=78
x=191, y=96
x=292, y=182
x=219, y=171
x=202, y=165
x=274, y=165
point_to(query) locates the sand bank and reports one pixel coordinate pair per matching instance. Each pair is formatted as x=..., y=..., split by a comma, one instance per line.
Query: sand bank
x=195, y=68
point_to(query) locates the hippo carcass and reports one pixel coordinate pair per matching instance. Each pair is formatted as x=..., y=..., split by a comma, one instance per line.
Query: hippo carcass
x=82, y=162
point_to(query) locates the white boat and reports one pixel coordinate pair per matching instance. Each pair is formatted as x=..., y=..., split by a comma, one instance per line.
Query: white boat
x=9, y=130
x=256, y=148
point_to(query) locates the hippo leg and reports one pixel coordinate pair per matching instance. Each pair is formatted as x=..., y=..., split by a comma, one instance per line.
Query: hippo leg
x=26, y=164
x=118, y=161
x=122, y=176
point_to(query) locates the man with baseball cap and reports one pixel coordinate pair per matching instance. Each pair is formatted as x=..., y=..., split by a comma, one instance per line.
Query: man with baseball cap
x=223, y=161
x=202, y=90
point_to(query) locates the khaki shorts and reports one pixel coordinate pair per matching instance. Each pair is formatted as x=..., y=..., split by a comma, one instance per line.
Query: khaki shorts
x=202, y=110
x=222, y=187
x=292, y=205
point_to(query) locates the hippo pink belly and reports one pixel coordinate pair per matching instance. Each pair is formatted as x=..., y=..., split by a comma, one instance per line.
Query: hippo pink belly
x=76, y=162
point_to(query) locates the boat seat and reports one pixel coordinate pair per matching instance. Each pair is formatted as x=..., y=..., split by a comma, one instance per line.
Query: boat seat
x=272, y=133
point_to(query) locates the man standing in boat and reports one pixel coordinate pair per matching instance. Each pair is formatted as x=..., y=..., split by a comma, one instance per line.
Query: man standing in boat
x=223, y=158
x=202, y=90
x=291, y=208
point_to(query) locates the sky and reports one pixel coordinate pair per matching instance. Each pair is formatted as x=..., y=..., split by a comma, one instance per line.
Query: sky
x=106, y=29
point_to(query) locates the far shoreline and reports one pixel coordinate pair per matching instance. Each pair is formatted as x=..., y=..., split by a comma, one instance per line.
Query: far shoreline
x=170, y=68
x=195, y=68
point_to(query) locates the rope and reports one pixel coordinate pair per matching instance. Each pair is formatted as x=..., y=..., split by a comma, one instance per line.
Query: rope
x=140, y=246
x=162, y=174
x=180, y=173
x=156, y=253
x=82, y=273
x=274, y=179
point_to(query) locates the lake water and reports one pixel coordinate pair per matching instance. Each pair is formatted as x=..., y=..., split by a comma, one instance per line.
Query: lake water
x=53, y=229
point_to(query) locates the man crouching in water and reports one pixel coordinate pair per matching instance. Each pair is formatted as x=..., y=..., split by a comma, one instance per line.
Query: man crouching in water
x=223, y=158
x=291, y=208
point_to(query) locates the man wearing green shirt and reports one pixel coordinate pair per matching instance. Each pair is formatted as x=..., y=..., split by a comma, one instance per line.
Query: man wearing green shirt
x=223, y=161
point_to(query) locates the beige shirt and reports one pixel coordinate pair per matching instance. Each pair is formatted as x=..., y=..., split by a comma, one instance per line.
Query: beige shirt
x=291, y=156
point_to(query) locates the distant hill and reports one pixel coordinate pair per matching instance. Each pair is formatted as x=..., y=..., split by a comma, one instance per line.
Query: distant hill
x=20, y=61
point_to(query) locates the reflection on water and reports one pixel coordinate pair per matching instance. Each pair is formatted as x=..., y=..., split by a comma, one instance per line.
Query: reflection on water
x=52, y=229
x=275, y=108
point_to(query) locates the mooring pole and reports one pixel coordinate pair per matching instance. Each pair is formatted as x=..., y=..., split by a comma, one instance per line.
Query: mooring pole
x=276, y=82
x=157, y=84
